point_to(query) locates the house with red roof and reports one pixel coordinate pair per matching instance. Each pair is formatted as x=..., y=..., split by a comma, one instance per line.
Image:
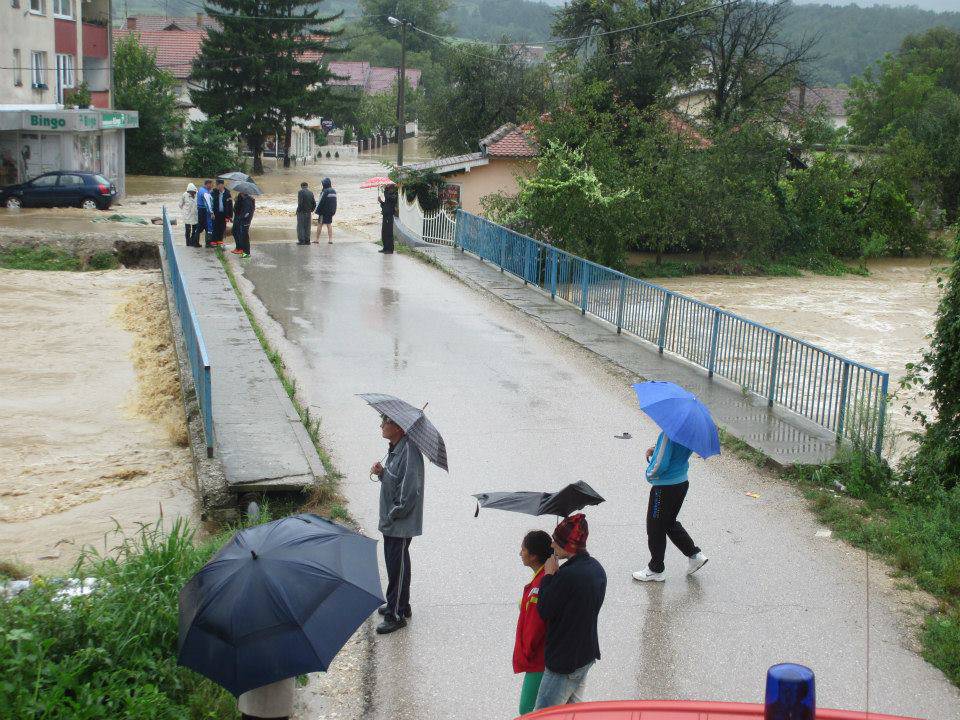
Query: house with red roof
x=505, y=154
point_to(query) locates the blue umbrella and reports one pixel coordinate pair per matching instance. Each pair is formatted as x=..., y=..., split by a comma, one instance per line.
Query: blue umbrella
x=277, y=601
x=681, y=416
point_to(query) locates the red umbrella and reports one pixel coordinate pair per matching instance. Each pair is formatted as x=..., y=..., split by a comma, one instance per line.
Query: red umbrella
x=376, y=182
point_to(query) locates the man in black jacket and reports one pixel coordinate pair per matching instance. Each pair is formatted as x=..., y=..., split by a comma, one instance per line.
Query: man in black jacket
x=570, y=601
x=222, y=210
x=306, y=204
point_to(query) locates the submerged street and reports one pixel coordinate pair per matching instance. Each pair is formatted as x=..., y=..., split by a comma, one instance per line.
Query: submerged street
x=522, y=409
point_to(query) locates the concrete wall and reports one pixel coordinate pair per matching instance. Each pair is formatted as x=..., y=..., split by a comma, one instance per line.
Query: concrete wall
x=27, y=32
x=500, y=175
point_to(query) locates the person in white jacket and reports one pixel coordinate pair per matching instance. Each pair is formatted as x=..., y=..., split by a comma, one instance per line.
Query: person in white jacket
x=188, y=213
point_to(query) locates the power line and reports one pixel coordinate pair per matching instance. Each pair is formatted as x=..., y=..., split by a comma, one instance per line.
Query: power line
x=560, y=40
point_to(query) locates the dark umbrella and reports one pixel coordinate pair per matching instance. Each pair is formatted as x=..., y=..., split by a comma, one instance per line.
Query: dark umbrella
x=278, y=600
x=247, y=187
x=236, y=177
x=415, y=424
x=575, y=496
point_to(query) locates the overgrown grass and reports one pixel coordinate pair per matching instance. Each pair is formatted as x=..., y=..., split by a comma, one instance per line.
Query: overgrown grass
x=45, y=257
x=38, y=258
x=111, y=653
x=324, y=495
x=785, y=267
x=916, y=529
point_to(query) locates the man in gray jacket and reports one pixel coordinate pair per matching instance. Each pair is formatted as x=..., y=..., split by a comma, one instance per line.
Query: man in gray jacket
x=401, y=520
x=305, y=206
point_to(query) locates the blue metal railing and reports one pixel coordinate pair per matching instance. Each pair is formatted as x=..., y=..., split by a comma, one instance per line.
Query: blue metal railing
x=845, y=397
x=193, y=338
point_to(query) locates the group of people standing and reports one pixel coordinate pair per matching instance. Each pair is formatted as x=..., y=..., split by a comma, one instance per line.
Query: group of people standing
x=209, y=209
x=325, y=208
x=556, y=642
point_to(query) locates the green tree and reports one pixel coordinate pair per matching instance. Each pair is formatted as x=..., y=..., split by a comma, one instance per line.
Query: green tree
x=260, y=68
x=936, y=464
x=483, y=88
x=912, y=106
x=138, y=84
x=936, y=50
x=426, y=15
x=210, y=149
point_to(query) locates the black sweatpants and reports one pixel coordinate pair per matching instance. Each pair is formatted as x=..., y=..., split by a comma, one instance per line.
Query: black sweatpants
x=201, y=227
x=396, y=556
x=188, y=231
x=386, y=233
x=219, y=227
x=662, y=510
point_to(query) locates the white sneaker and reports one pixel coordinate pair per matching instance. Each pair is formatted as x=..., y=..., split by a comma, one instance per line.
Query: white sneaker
x=696, y=562
x=648, y=575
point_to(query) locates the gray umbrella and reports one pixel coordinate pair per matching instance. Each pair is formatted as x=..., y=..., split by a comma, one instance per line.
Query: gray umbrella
x=247, y=187
x=421, y=431
x=236, y=177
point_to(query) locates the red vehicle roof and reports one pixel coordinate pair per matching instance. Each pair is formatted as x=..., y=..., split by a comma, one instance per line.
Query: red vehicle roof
x=682, y=710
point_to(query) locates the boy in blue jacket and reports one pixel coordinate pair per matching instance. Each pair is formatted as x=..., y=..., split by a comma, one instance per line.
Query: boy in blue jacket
x=667, y=465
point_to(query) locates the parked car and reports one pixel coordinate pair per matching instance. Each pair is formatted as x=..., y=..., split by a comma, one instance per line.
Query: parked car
x=87, y=190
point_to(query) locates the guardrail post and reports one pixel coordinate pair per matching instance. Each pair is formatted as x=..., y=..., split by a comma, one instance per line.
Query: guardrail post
x=207, y=410
x=553, y=273
x=882, y=418
x=623, y=300
x=842, y=412
x=663, y=321
x=714, y=339
x=526, y=261
x=584, y=286
x=774, y=362
x=503, y=247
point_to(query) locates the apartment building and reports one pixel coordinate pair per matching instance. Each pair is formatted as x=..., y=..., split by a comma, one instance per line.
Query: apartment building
x=48, y=47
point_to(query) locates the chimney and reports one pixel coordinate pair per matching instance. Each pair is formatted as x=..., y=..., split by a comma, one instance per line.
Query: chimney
x=131, y=23
x=200, y=20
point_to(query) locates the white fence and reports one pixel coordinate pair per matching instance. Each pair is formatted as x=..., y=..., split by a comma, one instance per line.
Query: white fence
x=437, y=227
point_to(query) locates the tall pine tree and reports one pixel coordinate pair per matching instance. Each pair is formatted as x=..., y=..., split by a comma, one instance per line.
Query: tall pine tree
x=263, y=66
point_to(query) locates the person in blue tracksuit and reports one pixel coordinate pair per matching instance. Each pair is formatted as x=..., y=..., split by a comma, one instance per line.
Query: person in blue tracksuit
x=667, y=465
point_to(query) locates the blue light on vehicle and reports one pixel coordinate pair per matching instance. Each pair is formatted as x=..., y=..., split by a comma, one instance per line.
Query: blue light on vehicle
x=791, y=693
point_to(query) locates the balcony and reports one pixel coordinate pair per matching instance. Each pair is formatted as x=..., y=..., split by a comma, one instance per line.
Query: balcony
x=96, y=43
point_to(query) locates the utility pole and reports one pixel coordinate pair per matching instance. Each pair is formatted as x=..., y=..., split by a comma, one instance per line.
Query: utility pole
x=401, y=85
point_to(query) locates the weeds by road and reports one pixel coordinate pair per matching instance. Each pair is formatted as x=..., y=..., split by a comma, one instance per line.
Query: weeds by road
x=48, y=258
x=112, y=653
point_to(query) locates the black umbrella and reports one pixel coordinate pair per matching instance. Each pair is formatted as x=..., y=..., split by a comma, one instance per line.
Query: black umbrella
x=575, y=496
x=415, y=424
x=250, y=188
x=235, y=177
x=277, y=601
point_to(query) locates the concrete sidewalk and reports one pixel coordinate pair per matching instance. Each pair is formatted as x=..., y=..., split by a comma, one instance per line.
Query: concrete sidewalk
x=259, y=437
x=783, y=437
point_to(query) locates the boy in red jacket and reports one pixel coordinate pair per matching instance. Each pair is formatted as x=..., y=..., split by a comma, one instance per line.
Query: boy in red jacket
x=531, y=638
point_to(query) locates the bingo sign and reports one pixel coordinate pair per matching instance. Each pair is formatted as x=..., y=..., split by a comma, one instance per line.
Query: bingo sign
x=45, y=121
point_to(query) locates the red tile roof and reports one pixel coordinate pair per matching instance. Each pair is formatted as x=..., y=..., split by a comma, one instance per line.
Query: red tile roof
x=381, y=79
x=686, y=130
x=175, y=49
x=509, y=141
x=831, y=99
x=162, y=22
x=353, y=72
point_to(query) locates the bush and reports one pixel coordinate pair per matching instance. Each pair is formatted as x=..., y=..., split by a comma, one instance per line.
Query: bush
x=111, y=653
x=103, y=260
x=43, y=257
x=211, y=150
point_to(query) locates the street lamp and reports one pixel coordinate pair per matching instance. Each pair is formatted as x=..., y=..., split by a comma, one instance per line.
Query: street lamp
x=401, y=85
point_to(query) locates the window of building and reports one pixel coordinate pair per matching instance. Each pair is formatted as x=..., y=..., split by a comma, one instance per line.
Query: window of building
x=17, y=68
x=15, y=4
x=63, y=9
x=36, y=7
x=38, y=69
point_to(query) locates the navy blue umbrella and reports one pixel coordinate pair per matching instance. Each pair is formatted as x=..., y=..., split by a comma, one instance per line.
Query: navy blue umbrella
x=681, y=416
x=278, y=600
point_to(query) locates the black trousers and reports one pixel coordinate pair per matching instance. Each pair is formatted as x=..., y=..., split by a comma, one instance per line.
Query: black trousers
x=188, y=232
x=396, y=555
x=201, y=226
x=241, y=236
x=219, y=227
x=386, y=233
x=662, y=510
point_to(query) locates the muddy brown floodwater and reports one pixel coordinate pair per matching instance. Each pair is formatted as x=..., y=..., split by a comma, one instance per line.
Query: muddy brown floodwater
x=79, y=452
x=882, y=319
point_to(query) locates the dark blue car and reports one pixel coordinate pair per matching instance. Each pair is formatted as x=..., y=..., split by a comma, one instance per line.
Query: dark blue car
x=87, y=190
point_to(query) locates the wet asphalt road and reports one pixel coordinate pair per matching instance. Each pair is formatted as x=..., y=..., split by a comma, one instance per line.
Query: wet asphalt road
x=522, y=409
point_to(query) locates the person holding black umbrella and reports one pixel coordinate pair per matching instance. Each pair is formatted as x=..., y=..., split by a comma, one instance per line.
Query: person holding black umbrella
x=401, y=519
x=222, y=211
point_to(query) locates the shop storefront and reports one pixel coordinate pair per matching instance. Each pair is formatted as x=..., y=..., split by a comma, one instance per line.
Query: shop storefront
x=33, y=142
